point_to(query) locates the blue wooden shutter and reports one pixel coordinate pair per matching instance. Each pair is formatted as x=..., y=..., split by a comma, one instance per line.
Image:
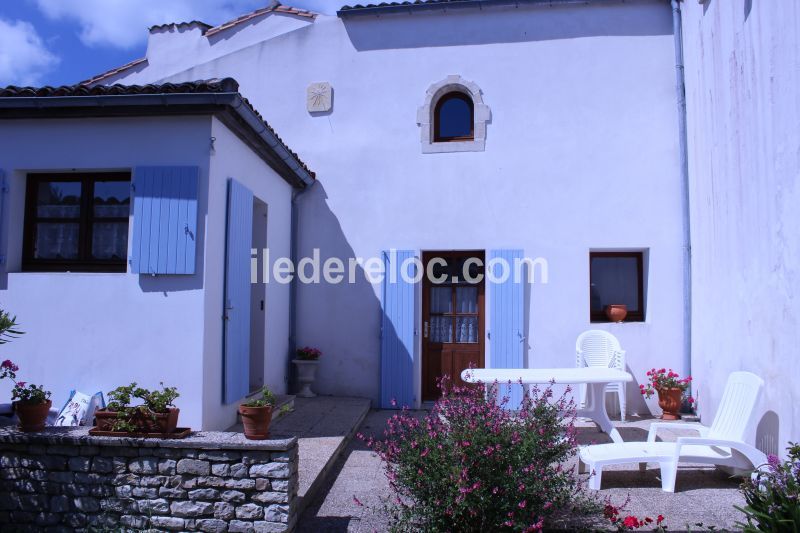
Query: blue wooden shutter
x=506, y=333
x=397, y=333
x=239, y=239
x=164, y=220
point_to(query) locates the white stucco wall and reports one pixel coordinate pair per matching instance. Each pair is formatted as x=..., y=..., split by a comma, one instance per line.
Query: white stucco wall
x=581, y=153
x=94, y=332
x=231, y=158
x=742, y=78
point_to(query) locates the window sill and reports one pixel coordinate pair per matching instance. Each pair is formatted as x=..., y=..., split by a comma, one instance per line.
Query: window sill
x=477, y=145
x=623, y=323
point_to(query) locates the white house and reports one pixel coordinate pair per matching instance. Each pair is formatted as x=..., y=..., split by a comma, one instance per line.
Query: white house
x=473, y=129
x=110, y=290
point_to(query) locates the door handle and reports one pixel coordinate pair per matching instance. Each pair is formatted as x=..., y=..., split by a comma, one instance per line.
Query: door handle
x=425, y=330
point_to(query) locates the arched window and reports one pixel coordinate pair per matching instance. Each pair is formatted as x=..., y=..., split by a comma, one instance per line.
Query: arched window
x=454, y=118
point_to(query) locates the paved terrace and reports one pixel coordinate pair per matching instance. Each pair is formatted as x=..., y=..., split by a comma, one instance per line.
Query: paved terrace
x=703, y=494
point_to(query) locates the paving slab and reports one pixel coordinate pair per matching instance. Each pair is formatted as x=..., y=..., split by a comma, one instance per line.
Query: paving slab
x=355, y=494
x=323, y=425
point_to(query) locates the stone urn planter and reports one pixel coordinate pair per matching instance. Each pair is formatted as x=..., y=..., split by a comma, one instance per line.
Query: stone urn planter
x=306, y=374
x=669, y=400
x=32, y=416
x=616, y=312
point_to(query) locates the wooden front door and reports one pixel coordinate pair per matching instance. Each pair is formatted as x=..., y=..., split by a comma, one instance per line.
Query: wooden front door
x=452, y=318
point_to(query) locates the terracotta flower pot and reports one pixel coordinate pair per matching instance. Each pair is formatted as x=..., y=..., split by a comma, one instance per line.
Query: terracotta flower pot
x=32, y=416
x=162, y=423
x=669, y=400
x=104, y=419
x=616, y=312
x=256, y=421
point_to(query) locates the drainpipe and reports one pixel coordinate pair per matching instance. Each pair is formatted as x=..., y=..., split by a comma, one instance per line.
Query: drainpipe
x=295, y=252
x=680, y=90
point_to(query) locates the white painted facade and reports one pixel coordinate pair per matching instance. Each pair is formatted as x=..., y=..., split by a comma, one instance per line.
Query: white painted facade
x=742, y=83
x=581, y=153
x=95, y=331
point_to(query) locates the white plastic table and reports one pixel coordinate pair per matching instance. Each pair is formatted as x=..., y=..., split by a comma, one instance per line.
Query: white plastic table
x=594, y=378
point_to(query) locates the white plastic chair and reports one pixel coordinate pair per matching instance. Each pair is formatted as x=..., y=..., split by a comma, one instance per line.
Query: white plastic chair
x=598, y=348
x=722, y=444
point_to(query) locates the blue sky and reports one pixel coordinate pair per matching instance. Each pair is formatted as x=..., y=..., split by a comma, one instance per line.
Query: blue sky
x=58, y=42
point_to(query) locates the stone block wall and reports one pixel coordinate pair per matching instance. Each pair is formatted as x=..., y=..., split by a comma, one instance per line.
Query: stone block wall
x=65, y=480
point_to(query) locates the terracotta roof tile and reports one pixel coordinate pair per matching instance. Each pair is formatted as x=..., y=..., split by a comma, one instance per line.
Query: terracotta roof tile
x=275, y=8
x=189, y=24
x=117, y=70
x=216, y=85
x=207, y=30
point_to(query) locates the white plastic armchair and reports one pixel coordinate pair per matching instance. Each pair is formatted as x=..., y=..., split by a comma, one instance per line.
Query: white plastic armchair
x=598, y=348
x=721, y=444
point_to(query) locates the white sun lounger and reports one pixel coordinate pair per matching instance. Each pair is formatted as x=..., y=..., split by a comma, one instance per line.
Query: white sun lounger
x=721, y=444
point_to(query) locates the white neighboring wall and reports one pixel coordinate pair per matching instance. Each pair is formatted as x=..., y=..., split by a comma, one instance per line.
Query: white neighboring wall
x=742, y=79
x=581, y=153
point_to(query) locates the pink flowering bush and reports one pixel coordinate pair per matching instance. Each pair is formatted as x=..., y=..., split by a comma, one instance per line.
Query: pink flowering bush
x=773, y=495
x=470, y=464
x=665, y=379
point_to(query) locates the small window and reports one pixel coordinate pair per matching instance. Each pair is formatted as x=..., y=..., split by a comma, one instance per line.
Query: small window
x=77, y=222
x=454, y=118
x=616, y=278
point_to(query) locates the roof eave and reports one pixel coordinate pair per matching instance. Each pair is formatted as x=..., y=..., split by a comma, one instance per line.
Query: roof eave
x=228, y=107
x=459, y=4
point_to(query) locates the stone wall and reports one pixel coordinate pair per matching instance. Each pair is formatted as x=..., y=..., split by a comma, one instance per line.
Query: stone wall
x=65, y=480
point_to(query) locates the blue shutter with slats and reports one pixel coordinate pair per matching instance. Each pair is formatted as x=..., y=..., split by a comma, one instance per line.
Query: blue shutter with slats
x=506, y=333
x=164, y=220
x=397, y=333
x=239, y=235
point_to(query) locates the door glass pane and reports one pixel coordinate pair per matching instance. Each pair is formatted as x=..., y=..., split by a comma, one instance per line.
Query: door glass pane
x=441, y=329
x=59, y=199
x=466, y=299
x=467, y=329
x=441, y=300
x=112, y=198
x=109, y=240
x=56, y=240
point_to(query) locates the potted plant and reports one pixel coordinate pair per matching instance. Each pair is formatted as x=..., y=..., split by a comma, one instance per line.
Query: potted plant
x=257, y=415
x=31, y=402
x=155, y=414
x=616, y=312
x=670, y=388
x=306, y=363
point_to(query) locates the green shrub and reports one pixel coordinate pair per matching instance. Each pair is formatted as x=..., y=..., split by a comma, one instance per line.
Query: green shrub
x=470, y=464
x=266, y=398
x=772, y=495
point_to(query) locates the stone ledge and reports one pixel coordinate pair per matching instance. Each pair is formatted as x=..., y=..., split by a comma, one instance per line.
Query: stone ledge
x=207, y=440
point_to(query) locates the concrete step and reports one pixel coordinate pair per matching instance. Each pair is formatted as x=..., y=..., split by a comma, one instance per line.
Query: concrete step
x=324, y=426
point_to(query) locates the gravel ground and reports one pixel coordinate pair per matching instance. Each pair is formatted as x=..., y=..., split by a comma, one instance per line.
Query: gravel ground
x=703, y=494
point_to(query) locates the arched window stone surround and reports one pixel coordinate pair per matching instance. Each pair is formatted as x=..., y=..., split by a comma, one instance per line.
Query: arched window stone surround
x=482, y=114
